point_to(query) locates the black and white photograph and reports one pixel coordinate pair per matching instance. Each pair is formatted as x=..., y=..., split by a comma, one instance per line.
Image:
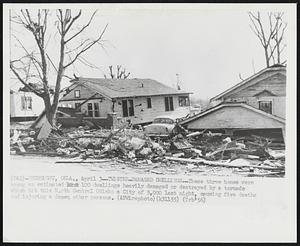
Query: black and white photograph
x=150, y=111
x=173, y=93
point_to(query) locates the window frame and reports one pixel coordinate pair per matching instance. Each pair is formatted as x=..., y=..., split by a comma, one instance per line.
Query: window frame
x=128, y=107
x=169, y=105
x=265, y=101
x=76, y=105
x=76, y=94
x=96, y=109
x=90, y=110
x=180, y=100
x=26, y=103
x=149, y=102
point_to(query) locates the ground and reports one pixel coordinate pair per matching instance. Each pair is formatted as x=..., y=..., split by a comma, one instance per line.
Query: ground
x=47, y=165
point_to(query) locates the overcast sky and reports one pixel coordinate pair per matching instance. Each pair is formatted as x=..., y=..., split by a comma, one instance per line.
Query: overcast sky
x=208, y=47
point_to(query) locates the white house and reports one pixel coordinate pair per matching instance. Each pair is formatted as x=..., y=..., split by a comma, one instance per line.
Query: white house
x=25, y=105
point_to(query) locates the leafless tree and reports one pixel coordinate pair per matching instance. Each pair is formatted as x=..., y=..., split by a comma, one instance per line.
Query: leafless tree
x=270, y=35
x=36, y=64
x=121, y=73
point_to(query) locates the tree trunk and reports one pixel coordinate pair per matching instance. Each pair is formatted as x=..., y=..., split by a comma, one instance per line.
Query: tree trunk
x=278, y=54
x=50, y=113
x=267, y=57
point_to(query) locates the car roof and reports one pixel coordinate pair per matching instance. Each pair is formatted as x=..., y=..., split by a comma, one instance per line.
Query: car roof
x=165, y=116
x=177, y=114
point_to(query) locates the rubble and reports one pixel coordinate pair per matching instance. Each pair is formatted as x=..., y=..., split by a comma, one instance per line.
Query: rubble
x=197, y=152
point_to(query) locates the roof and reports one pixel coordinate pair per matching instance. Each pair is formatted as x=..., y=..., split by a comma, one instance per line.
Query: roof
x=223, y=105
x=36, y=86
x=274, y=68
x=117, y=88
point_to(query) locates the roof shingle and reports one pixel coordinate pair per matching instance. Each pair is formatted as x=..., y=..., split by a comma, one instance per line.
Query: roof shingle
x=116, y=88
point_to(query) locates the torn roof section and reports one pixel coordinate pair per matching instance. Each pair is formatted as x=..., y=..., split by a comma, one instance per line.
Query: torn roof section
x=233, y=116
x=256, y=78
x=118, y=88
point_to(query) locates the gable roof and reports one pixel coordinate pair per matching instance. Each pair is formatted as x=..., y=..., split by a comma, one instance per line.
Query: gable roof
x=274, y=69
x=118, y=88
x=223, y=105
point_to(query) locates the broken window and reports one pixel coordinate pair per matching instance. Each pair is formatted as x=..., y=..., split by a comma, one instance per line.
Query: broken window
x=26, y=103
x=127, y=106
x=90, y=109
x=96, y=110
x=169, y=104
x=149, y=103
x=77, y=93
x=184, y=101
x=265, y=106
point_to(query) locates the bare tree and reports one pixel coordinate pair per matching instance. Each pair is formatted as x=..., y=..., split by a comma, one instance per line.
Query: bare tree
x=121, y=73
x=36, y=64
x=270, y=35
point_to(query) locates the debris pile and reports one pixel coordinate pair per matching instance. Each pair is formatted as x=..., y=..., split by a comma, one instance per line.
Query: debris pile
x=203, y=152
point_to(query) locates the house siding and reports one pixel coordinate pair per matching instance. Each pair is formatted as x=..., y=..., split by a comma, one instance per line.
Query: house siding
x=143, y=114
x=16, y=105
x=84, y=93
x=105, y=105
x=234, y=118
x=275, y=84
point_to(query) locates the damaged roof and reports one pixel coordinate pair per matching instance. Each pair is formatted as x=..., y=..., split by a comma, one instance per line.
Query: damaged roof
x=221, y=122
x=116, y=88
x=275, y=68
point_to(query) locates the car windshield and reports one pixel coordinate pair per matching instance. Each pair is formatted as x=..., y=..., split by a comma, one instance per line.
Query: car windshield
x=164, y=120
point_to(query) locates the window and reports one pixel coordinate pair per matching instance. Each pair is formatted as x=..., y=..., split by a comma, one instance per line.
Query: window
x=26, y=103
x=77, y=93
x=183, y=101
x=77, y=106
x=149, y=104
x=90, y=109
x=128, y=109
x=169, y=104
x=93, y=110
x=266, y=106
x=96, y=110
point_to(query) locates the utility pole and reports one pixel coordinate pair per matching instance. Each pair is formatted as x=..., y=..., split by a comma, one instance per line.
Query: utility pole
x=178, y=83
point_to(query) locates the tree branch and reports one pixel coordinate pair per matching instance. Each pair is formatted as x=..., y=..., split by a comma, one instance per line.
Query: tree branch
x=72, y=21
x=82, y=29
x=86, y=48
x=24, y=83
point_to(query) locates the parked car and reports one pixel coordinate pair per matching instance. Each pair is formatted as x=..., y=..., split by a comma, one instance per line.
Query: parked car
x=162, y=126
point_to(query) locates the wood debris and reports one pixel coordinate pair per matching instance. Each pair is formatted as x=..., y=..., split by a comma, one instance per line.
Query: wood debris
x=126, y=147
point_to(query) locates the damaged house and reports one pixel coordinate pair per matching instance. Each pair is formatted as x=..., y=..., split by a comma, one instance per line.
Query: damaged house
x=254, y=106
x=109, y=102
x=24, y=105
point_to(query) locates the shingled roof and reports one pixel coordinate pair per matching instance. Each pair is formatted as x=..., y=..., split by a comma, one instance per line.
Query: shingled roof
x=116, y=88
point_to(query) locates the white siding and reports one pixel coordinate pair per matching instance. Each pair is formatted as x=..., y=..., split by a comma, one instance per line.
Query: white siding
x=16, y=104
x=105, y=105
x=142, y=114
